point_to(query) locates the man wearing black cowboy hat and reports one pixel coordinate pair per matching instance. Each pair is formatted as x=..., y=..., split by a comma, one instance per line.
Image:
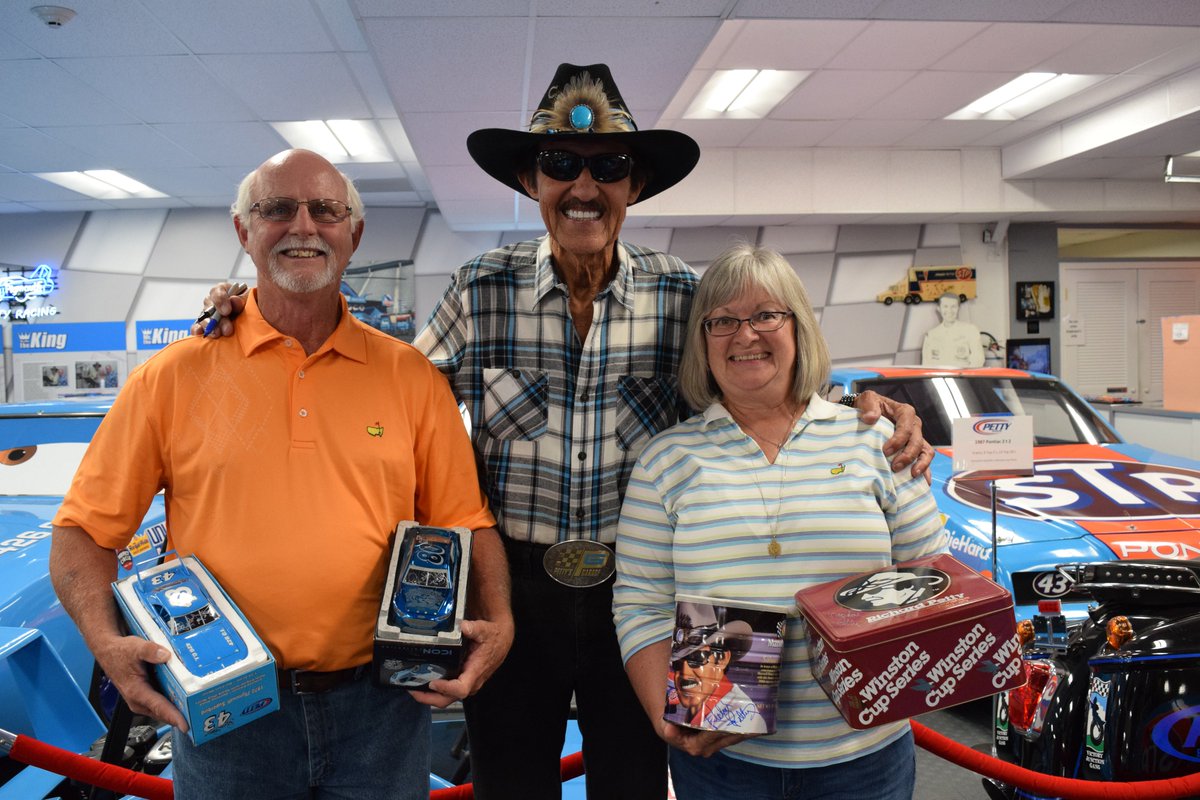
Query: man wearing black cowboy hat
x=565, y=349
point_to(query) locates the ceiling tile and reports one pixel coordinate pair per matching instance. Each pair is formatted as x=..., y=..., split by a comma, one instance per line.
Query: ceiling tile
x=42, y=93
x=288, y=86
x=182, y=89
x=839, y=94
x=903, y=45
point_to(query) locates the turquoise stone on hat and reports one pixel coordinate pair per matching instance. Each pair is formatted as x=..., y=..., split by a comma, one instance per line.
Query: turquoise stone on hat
x=581, y=117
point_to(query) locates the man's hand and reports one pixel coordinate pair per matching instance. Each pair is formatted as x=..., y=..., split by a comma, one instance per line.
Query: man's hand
x=907, y=444
x=124, y=660
x=486, y=649
x=227, y=305
x=698, y=743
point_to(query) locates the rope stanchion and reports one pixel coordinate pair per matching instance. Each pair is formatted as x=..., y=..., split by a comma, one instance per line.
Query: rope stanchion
x=1066, y=788
x=30, y=751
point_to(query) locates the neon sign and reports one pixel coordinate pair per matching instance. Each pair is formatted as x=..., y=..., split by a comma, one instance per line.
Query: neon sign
x=19, y=288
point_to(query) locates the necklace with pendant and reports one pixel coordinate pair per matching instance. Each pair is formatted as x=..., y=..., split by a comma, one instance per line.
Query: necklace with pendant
x=774, y=549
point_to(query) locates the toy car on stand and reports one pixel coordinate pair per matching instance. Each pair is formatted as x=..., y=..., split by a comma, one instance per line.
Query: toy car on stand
x=1117, y=698
x=186, y=614
x=423, y=601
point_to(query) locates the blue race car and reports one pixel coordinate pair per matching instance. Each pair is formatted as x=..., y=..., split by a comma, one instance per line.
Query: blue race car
x=427, y=582
x=1092, y=498
x=41, y=444
x=196, y=631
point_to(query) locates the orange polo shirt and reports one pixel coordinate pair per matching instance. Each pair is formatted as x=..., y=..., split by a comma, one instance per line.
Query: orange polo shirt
x=285, y=474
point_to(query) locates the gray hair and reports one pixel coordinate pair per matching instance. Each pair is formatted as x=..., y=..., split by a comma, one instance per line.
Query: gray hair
x=739, y=269
x=240, y=209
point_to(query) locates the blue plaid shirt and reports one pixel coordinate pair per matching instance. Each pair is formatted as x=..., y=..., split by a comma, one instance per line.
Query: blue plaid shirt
x=559, y=423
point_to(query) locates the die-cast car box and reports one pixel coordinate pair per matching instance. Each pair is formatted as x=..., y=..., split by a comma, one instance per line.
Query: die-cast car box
x=418, y=636
x=220, y=675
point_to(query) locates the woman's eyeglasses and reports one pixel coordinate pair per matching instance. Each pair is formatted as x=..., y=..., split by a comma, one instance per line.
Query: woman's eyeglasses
x=284, y=209
x=562, y=165
x=762, y=322
x=699, y=658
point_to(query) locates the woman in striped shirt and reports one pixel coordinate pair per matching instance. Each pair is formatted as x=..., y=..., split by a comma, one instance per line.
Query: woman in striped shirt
x=768, y=490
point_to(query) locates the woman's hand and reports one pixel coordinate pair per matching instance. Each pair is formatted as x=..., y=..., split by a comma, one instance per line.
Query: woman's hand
x=698, y=743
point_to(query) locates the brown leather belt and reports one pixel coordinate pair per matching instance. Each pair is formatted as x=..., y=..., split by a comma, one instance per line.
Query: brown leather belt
x=303, y=681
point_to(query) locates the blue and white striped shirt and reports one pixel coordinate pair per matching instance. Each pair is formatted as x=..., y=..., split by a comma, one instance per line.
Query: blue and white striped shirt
x=559, y=422
x=700, y=511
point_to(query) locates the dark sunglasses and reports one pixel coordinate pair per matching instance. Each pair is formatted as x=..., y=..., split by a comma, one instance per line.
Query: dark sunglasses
x=562, y=165
x=284, y=209
x=699, y=658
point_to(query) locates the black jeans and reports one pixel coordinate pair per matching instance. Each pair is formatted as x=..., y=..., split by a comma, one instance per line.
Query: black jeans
x=565, y=644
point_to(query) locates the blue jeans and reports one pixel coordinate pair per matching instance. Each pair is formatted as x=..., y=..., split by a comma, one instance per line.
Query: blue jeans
x=355, y=741
x=886, y=774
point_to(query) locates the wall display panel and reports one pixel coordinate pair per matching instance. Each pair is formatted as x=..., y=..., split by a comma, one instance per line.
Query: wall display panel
x=153, y=335
x=72, y=359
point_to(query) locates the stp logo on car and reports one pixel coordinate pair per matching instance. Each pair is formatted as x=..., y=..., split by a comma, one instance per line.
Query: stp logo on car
x=1088, y=489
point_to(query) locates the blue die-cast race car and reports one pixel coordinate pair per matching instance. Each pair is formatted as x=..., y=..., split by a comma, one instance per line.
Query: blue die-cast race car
x=204, y=641
x=424, y=596
x=1092, y=497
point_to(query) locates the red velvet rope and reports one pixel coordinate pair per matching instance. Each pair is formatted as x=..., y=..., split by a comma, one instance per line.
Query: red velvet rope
x=1066, y=788
x=109, y=776
x=30, y=751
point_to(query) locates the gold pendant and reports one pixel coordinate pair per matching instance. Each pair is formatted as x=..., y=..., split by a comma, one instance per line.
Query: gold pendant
x=773, y=549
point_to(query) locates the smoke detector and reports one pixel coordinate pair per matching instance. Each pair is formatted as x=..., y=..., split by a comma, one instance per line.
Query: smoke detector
x=54, y=16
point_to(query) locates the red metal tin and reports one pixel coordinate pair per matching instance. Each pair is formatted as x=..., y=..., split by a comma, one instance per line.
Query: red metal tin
x=910, y=638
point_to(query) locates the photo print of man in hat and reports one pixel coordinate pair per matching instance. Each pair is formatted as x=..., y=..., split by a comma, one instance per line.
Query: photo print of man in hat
x=564, y=350
x=701, y=693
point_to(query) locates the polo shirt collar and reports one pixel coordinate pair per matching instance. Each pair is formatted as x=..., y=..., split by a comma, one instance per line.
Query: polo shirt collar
x=621, y=286
x=252, y=332
x=816, y=410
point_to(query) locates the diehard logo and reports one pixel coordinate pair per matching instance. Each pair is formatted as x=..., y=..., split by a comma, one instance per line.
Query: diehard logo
x=991, y=426
x=902, y=586
x=1088, y=489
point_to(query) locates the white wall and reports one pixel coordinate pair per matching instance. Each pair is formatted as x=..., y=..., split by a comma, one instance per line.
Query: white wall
x=158, y=264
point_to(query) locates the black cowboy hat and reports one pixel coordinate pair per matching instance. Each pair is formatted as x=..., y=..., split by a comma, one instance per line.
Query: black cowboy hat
x=584, y=101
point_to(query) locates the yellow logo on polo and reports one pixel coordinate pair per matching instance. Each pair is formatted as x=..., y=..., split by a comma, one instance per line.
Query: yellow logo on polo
x=838, y=470
x=375, y=430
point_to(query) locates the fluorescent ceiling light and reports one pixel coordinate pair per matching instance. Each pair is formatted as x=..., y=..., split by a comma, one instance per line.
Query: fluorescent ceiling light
x=340, y=140
x=743, y=93
x=1026, y=94
x=1183, y=169
x=1009, y=91
x=725, y=86
x=102, y=184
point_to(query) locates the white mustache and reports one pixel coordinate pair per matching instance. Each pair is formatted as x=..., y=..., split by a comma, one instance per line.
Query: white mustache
x=301, y=243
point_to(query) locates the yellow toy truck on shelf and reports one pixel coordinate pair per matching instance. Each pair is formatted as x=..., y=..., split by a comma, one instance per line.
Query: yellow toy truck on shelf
x=930, y=283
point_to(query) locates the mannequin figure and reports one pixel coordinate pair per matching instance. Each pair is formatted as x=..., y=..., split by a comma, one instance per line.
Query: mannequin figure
x=953, y=343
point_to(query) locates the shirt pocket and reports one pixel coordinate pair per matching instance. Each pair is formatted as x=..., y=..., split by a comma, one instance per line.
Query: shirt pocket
x=514, y=403
x=648, y=406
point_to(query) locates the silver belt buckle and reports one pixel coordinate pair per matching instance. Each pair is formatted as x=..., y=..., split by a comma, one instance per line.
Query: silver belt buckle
x=579, y=563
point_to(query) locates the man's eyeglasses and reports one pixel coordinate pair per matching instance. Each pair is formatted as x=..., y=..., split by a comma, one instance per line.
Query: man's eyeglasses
x=762, y=322
x=699, y=658
x=283, y=209
x=562, y=165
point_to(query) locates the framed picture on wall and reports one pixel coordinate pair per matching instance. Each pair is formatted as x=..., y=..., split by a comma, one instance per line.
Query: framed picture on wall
x=1035, y=300
x=1027, y=354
